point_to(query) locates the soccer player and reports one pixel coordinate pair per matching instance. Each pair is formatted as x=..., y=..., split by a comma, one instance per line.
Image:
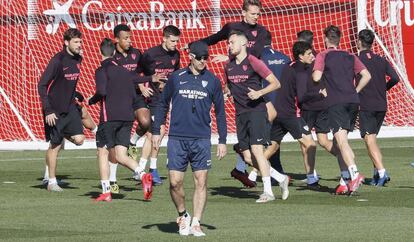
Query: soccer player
x=191, y=92
x=244, y=79
x=275, y=61
x=306, y=36
x=254, y=32
x=373, y=100
x=87, y=122
x=131, y=59
x=116, y=93
x=338, y=68
x=285, y=104
x=162, y=59
x=56, y=89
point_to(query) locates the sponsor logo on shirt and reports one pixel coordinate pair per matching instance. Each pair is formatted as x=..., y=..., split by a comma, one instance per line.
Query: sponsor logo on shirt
x=276, y=62
x=72, y=76
x=192, y=94
x=238, y=78
x=130, y=67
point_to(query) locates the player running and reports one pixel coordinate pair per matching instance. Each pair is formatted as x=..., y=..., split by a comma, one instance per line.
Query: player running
x=116, y=93
x=244, y=79
x=162, y=59
x=373, y=102
x=57, y=87
x=338, y=68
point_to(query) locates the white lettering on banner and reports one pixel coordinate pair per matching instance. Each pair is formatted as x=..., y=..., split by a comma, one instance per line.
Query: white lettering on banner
x=394, y=7
x=156, y=19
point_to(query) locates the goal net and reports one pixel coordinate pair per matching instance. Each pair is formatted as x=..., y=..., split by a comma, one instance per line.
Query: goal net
x=31, y=33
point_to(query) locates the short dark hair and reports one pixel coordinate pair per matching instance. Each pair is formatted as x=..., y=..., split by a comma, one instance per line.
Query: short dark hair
x=268, y=38
x=366, y=37
x=119, y=28
x=247, y=3
x=170, y=30
x=107, y=47
x=305, y=35
x=238, y=33
x=333, y=34
x=299, y=48
x=71, y=33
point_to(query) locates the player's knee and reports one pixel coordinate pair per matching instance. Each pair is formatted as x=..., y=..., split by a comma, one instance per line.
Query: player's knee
x=176, y=184
x=78, y=140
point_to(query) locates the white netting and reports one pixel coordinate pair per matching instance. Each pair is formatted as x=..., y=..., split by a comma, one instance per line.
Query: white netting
x=27, y=46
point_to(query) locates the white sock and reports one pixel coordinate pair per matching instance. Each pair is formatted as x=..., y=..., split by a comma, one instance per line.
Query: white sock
x=311, y=178
x=143, y=163
x=153, y=163
x=342, y=182
x=139, y=171
x=240, y=165
x=353, y=171
x=105, y=186
x=52, y=181
x=381, y=173
x=95, y=130
x=253, y=175
x=195, y=222
x=276, y=175
x=46, y=176
x=112, y=171
x=267, y=185
x=134, y=139
x=316, y=174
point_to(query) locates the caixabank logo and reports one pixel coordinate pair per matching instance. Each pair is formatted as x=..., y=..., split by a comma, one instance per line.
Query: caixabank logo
x=95, y=15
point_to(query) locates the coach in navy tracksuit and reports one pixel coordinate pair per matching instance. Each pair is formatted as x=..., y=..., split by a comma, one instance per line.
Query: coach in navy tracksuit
x=191, y=92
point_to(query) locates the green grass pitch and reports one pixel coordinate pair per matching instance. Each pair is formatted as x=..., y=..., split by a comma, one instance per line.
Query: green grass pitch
x=29, y=212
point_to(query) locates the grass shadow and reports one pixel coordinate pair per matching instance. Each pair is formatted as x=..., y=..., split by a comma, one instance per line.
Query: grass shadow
x=172, y=227
x=94, y=195
x=233, y=192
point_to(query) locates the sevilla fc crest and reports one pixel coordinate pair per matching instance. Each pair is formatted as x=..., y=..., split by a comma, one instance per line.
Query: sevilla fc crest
x=78, y=65
x=173, y=62
x=245, y=67
x=254, y=33
x=204, y=83
x=134, y=56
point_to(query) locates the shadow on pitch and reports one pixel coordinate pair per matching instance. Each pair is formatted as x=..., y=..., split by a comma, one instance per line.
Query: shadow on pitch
x=172, y=227
x=233, y=192
x=61, y=182
x=94, y=195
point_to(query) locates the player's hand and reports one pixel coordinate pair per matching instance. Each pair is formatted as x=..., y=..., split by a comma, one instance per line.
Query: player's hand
x=219, y=58
x=185, y=47
x=226, y=94
x=79, y=102
x=253, y=94
x=323, y=92
x=51, y=119
x=221, y=151
x=156, y=141
x=161, y=87
x=146, y=91
x=159, y=77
